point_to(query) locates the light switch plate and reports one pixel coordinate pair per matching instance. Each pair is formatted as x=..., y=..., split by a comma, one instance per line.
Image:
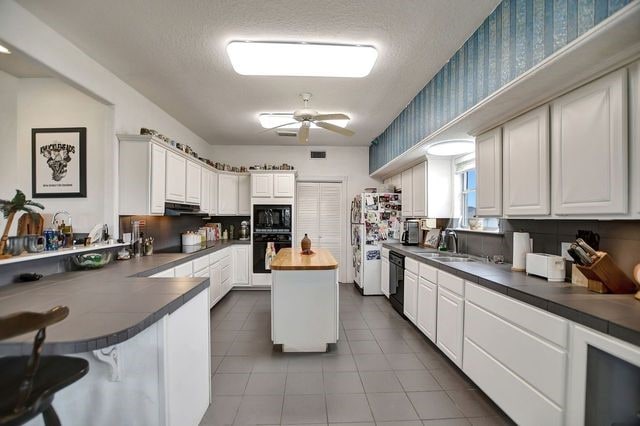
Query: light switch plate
x=563, y=250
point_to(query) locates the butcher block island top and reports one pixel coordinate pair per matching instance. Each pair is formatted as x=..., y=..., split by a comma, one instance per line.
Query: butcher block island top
x=290, y=259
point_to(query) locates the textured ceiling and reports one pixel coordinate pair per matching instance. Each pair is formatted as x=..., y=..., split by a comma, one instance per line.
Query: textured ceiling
x=174, y=53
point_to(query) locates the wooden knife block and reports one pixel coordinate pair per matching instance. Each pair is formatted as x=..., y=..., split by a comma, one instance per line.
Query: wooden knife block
x=609, y=274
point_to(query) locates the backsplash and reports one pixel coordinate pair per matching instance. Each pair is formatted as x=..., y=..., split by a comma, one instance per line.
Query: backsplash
x=166, y=230
x=621, y=239
x=514, y=38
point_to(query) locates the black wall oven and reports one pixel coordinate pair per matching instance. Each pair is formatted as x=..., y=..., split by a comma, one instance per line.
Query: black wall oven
x=260, y=242
x=270, y=218
x=396, y=281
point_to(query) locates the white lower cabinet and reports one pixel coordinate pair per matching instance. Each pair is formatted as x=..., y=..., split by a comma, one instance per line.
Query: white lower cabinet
x=427, y=308
x=384, y=276
x=215, y=284
x=168, y=273
x=517, y=354
x=240, y=262
x=184, y=270
x=449, y=330
x=410, y=295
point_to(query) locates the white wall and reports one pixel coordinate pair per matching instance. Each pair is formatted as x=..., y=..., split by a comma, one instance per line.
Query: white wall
x=48, y=102
x=349, y=162
x=20, y=30
x=8, y=129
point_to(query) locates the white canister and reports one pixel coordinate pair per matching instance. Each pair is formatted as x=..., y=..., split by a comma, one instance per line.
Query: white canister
x=521, y=246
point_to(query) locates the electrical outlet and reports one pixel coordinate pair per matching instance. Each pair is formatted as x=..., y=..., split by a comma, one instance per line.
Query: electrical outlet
x=563, y=249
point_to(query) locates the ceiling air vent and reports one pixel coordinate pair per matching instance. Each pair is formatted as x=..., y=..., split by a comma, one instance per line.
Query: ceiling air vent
x=285, y=133
x=318, y=154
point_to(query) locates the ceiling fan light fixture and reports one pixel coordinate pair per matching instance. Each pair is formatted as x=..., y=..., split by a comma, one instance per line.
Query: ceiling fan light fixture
x=451, y=148
x=301, y=59
x=270, y=120
x=4, y=50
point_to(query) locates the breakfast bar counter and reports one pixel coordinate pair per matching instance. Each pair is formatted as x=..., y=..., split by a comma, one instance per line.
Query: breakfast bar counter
x=304, y=300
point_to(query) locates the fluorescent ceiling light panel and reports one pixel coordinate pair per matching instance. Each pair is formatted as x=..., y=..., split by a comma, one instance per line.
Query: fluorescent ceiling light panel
x=269, y=121
x=451, y=148
x=4, y=50
x=301, y=59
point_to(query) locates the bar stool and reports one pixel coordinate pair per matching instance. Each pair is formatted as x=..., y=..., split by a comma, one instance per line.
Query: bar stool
x=29, y=383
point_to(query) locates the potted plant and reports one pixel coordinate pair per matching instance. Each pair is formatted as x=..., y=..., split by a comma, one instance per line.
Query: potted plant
x=9, y=209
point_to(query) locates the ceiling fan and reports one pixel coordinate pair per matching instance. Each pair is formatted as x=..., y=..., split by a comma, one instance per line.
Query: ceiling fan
x=306, y=117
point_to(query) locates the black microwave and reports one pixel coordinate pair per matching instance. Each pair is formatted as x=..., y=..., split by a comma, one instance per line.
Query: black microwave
x=271, y=217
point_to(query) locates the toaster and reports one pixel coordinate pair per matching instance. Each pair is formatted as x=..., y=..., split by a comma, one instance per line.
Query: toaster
x=544, y=265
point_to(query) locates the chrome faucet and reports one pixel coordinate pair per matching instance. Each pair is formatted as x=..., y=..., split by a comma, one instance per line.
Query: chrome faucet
x=451, y=239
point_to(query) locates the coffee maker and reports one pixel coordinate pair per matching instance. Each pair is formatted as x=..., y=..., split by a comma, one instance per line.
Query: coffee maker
x=411, y=233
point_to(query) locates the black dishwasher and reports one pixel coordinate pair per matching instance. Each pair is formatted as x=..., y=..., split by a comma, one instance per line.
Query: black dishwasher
x=396, y=281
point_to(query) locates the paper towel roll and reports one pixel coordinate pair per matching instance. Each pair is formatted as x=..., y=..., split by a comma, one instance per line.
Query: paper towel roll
x=521, y=246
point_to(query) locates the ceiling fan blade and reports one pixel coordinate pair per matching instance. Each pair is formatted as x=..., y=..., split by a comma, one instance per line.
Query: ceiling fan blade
x=277, y=127
x=334, y=128
x=303, y=133
x=324, y=117
x=336, y=116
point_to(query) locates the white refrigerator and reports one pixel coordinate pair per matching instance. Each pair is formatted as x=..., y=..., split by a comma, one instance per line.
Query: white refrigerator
x=373, y=215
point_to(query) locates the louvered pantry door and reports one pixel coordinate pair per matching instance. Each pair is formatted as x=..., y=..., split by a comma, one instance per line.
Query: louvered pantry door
x=318, y=214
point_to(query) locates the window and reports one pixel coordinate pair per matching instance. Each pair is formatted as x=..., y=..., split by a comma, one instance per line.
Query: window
x=468, y=194
x=465, y=195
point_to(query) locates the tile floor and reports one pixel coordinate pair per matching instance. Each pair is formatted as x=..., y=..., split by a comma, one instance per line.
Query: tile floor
x=383, y=371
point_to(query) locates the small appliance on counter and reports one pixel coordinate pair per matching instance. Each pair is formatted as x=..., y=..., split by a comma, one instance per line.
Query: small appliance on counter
x=244, y=231
x=547, y=266
x=411, y=233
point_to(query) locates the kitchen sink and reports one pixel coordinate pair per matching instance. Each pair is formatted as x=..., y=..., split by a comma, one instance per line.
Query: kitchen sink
x=455, y=259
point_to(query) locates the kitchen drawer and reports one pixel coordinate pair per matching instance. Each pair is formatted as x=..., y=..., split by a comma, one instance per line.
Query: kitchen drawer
x=451, y=282
x=385, y=253
x=519, y=351
x=411, y=265
x=518, y=399
x=169, y=273
x=215, y=257
x=184, y=270
x=429, y=273
x=200, y=263
x=226, y=261
x=202, y=273
x=533, y=320
x=226, y=273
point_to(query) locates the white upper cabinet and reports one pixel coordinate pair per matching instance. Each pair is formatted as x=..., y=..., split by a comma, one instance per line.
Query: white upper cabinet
x=213, y=201
x=284, y=185
x=227, y=194
x=407, y=193
x=419, y=189
x=261, y=185
x=244, y=194
x=439, y=191
x=489, y=173
x=273, y=185
x=142, y=161
x=158, y=176
x=634, y=134
x=590, y=148
x=176, y=182
x=205, y=191
x=194, y=182
x=525, y=164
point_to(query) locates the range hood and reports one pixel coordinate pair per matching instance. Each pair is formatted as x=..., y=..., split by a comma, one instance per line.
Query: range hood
x=178, y=209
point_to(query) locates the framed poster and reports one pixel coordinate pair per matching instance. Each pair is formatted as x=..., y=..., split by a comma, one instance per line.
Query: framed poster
x=59, y=162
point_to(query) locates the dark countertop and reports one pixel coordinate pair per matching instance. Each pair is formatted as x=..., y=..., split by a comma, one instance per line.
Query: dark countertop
x=615, y=314
x=107, y=306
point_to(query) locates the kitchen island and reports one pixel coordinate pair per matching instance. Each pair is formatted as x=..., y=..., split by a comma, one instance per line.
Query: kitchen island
x=304, y=300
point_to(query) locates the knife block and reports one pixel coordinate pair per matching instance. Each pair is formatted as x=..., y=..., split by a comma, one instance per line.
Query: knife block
x=578, y=278
x=609, y=274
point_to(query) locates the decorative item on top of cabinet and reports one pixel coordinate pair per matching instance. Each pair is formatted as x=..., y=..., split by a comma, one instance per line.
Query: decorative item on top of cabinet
x=525, y=164
x=589, y=147
x=489, y=173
